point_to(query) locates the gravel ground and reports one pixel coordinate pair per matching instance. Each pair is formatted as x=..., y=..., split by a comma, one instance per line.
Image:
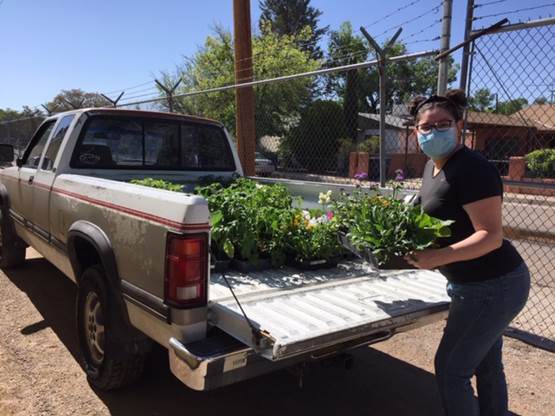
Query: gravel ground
x=41, y=374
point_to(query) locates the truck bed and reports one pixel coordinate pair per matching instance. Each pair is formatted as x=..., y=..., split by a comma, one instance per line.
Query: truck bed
x=298, y=312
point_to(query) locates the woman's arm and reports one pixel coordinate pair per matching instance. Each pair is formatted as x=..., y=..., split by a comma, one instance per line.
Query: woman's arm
x=486, y=218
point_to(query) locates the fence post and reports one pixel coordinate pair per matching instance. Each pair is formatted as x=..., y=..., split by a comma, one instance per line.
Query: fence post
x=445, y=38
x=381, y=55
x=466, y=49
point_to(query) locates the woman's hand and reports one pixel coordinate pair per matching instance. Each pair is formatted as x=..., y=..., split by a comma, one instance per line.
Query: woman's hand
x=426, y=259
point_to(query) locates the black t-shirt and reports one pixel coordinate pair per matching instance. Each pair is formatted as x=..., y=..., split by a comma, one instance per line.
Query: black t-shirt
x=466, y=177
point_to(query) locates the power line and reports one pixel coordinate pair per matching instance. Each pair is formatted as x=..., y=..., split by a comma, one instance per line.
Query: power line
x=515, y=11
x=420, y=16
x=489, y=3
x=406, y=6
x=128, y=88
x=424, y=29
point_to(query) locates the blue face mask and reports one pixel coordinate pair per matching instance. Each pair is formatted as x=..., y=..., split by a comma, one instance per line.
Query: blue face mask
x=438, y=144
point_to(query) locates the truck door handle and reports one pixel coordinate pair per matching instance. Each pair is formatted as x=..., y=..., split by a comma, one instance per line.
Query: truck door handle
x=30, y=180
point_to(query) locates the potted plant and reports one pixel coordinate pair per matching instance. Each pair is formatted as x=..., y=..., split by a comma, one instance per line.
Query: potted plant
x=386, y=226
x=249, y=222
x=313, y=243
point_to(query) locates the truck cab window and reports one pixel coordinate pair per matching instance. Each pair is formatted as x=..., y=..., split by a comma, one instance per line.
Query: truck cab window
x=33, y=153
x=55, y=142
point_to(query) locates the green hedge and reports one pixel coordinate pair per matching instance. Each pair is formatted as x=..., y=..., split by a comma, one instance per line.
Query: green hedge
x=541, y=163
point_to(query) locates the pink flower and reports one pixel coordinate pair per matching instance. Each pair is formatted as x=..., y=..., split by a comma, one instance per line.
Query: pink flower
x=329, y=215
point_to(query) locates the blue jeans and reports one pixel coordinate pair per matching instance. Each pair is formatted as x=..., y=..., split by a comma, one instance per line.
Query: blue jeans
x=472, y=341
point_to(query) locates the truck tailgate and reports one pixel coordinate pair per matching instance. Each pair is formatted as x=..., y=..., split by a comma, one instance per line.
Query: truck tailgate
x=299, y=312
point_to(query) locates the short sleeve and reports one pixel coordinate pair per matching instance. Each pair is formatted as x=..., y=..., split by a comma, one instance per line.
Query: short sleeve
x=480, y=180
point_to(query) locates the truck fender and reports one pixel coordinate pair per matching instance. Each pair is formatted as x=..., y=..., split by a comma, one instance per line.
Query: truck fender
x=86, y=232
x=8, y=229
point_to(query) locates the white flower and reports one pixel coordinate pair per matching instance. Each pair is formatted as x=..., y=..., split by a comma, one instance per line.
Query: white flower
x=258, y=186
x=324, y=198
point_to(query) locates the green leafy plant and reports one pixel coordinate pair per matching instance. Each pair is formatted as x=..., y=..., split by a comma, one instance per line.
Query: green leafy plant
x=250, y=220
x=371, y=145
x=385, y=225
x=541, y=163
x=159, y=184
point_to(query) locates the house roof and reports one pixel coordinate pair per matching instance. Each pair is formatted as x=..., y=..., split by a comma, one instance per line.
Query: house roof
x=392, y=121
x=493, y=119
x=543, y=114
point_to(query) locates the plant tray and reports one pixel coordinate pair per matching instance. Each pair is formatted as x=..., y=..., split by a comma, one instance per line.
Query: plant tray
x=220, y=266
x=398, y=263
x=246, y=267
x=316, y=264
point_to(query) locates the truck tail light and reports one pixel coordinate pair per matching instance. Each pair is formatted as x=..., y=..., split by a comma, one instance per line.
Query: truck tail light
x=186, y=270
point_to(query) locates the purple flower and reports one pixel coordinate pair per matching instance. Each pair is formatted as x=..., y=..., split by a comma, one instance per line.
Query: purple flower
x=361, y=176
x=400, y=175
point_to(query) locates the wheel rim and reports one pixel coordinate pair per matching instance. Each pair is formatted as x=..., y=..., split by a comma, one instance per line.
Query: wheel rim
x=94, y=327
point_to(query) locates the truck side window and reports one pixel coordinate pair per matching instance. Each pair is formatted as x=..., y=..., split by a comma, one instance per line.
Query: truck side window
x=55, y=142
x=32, y=154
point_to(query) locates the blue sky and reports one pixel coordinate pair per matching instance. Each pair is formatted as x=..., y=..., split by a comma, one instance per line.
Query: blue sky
x=103, y=46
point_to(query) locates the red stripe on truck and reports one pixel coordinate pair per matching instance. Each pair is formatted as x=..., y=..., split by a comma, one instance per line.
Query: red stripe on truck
x=140, y=214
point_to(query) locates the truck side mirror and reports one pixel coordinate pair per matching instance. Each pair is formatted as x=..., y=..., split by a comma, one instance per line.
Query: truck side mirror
x=6, y=153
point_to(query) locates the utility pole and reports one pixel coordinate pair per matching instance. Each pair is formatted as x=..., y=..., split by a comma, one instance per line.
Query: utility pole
x=244, y=96
x=445, y=39
x=466, y=49
x=381, y=56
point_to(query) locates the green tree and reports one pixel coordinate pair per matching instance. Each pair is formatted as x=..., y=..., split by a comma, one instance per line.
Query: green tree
x=404, y=79
x=314, y=142
x=541, y=100
x=75, y=98
x=344, y=48
x=278, y=105
x=512, y=106
x=482, y=100
x=291, y=17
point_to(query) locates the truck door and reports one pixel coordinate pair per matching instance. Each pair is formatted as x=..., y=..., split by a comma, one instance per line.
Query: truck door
x=45, y=175
x=22, y=200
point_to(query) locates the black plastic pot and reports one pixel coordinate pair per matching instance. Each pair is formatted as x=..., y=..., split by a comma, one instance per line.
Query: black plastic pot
x=316, y=264
x=246, y=267
x=220, y=266
x=397, y=262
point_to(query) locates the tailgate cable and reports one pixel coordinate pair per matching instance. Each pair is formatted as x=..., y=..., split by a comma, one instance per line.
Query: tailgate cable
x=255, y=331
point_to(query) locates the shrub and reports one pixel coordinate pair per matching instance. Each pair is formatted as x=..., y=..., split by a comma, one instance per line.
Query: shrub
x=541, y=163
x=314, y=143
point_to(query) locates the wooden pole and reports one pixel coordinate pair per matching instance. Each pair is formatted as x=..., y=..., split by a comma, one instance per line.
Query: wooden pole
x=244, y=97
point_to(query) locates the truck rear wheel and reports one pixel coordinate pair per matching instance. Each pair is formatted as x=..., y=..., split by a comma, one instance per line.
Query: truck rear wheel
x=109, y=364
x=12, y=248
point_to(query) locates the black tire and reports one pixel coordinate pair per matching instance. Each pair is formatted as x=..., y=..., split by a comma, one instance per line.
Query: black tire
x=12, y=248
x=109, y=364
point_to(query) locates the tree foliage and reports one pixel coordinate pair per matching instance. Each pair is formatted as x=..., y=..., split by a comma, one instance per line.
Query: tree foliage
x=291, y=17
x=277, y=104
x=75, y=98
x=404, y=79
x=314, y=143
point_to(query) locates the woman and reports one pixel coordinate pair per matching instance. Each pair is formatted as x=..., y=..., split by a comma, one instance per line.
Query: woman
x=488, y=282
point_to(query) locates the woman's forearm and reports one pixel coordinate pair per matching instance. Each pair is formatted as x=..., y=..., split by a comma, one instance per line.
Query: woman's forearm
x=474, y=246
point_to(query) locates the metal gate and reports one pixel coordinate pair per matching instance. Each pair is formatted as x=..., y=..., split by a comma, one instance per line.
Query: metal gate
x=511, y=120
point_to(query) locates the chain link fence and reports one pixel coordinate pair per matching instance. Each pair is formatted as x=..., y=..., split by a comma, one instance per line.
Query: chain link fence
x=512, y=122
x=324, y=126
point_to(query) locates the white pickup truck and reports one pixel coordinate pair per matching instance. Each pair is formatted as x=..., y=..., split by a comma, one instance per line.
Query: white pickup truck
x=140, y=257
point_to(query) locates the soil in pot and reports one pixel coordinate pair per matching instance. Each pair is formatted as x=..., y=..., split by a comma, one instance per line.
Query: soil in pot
x=397, y=262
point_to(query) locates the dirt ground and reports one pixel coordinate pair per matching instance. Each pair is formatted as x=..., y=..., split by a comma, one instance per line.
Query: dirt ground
x=40, y=373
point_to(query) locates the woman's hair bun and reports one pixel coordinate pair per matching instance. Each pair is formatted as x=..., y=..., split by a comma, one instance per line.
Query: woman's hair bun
x=414, y=103
x=458, y=97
